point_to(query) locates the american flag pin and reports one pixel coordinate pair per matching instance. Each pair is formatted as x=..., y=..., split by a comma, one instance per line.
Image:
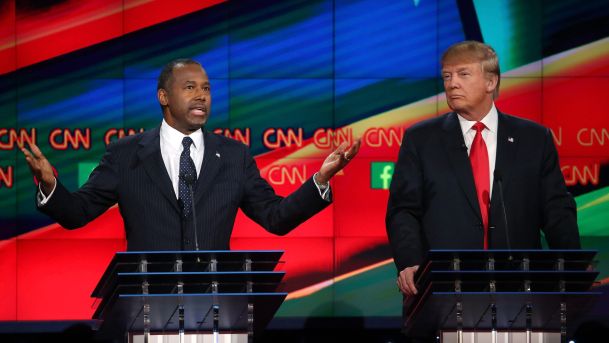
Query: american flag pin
x=217, y=154
x=511, y=139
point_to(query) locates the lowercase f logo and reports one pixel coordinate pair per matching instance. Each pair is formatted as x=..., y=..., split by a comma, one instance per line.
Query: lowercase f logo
x=380, y=174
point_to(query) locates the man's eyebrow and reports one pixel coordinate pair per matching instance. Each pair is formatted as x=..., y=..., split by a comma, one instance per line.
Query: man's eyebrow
x=191, y=81
x=458, y=69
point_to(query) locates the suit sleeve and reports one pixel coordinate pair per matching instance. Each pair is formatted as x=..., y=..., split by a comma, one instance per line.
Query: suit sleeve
x=74, y=210
x=277, y=214
x=405, y=208
x=559, y=208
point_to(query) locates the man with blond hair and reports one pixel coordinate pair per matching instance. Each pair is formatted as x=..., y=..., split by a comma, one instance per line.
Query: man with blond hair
x=445, y=192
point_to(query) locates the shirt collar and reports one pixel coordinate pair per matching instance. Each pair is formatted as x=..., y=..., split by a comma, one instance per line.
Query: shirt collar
x=173, y=138
x=490, y=120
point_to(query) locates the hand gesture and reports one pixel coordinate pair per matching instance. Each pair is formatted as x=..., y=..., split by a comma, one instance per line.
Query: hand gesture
x=40, y=167
x=337, y=161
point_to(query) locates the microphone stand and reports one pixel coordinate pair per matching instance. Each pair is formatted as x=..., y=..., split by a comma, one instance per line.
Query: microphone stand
x=189, y=179
x=499, y=179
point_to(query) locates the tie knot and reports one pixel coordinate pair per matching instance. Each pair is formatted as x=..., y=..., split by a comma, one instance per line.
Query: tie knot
x=479, y=126
x=186, y=142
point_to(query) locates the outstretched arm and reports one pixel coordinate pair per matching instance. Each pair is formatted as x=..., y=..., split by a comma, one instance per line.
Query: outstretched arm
x=280, y=215
x=73, y=210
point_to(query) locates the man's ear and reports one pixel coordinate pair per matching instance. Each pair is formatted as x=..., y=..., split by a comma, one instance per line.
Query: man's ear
x=161, y=94
x=491, y=83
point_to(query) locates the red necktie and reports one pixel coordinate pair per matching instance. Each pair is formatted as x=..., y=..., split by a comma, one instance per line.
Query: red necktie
x=478, y=157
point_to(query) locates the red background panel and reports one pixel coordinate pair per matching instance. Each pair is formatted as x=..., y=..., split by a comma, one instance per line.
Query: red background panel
x=357, y=252
x=8, y=57
x=574, y=107
x=109, y=225
x=582, y=171
x=68, y=27
x=46, y=268
x=564, y=64
x=8, y=283
x=380, y=141
x=358, y=209
x=8, y=60
x=139, y=15
x=521, y=97
x=381, y=138
x=320, y=225
x=307, y=260
x=73, y=25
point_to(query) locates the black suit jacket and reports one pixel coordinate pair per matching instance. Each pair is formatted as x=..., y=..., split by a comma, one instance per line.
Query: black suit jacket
x=132, y=174
x=433, y=204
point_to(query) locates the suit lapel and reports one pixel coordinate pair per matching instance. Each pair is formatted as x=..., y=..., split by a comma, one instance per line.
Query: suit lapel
x=507, y=143
x=149, y=154
x=457, y=154
x=212, y=160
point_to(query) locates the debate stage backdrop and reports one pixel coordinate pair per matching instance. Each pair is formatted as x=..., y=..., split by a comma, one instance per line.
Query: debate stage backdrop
x=291, y=79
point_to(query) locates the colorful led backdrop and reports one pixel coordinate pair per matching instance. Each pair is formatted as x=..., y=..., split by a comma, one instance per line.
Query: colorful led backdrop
x=291, y=79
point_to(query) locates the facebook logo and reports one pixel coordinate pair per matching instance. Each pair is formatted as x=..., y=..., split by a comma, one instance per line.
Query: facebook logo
x=84, y=170
x=380, y=174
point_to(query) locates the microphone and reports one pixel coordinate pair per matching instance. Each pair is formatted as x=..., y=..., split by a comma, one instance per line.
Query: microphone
x=190, y=179
x=181, y=205
x=499, y=180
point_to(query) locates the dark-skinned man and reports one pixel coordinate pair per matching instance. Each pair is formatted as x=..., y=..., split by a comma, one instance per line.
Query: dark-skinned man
x=161, y=176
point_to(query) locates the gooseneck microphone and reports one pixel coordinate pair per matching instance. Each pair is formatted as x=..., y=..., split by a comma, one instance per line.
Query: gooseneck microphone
x=190, y=180
x=499, y=180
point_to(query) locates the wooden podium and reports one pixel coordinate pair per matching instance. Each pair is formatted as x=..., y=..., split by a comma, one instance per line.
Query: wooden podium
x=499, y=295
x=193, y=296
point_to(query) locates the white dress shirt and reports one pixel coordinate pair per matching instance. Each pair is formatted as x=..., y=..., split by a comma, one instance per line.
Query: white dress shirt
x=489, y=134
x=171, y=149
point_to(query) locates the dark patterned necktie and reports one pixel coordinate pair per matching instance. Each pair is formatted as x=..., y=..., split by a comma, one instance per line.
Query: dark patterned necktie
x=478, y=156
x=188, y=176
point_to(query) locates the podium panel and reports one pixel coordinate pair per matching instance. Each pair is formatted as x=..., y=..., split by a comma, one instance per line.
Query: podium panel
x=502, y=336
x=192, y=338
x=500, y=290
x=188, y=292
x=127, y=312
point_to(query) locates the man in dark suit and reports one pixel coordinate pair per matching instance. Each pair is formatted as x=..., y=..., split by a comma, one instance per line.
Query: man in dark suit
x=177, y=176
x=445, y=192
